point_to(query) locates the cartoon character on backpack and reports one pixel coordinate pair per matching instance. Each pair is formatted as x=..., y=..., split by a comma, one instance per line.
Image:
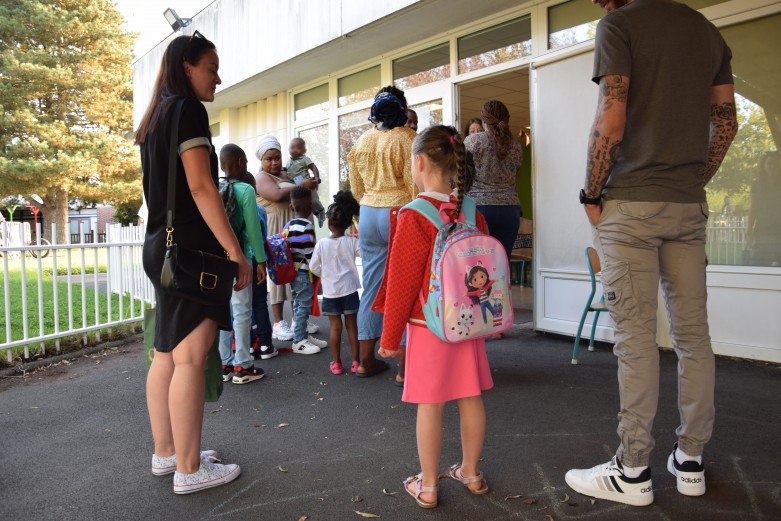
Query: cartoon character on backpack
x=465, y=321
x=478, y=284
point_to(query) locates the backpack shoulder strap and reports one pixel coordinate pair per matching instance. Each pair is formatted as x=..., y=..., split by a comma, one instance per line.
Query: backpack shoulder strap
x=469, y=208
x=428, y=210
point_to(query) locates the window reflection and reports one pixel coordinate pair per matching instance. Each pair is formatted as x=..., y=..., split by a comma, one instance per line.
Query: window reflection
x=502, y=43
x=351, y=127
x=317, y=150
x=422, y=67
x=429, y=113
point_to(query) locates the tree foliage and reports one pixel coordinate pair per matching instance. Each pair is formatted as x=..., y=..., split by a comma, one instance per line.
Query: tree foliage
x=66, y=104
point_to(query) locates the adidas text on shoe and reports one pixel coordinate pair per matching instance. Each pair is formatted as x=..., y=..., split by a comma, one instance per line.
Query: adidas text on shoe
x=689, y=475
x=208, y=475
x=245, y=375
x=281, y=331
x=607, y=481
x=312, y=328
x=267, y=352
x=322, y=344
x=227, y=372
x=305, y=347
x=162, y=465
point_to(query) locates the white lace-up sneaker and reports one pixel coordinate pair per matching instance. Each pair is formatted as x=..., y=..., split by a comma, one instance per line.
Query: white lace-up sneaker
x=208, y=475
x=689, y=475
x=162, y=465
x=322, y=344
x=312, y=328
x=281, y=331
x=607, y=481
x=305, y=347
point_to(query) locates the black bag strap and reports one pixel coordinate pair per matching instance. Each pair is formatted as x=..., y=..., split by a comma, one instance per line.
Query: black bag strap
x=172, y=156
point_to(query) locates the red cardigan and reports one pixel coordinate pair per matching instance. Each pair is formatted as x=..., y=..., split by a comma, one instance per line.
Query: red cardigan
x=407, y=271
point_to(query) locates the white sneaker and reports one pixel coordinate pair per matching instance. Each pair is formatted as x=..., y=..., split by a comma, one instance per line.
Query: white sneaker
x=281, y=331
x=208, y=475
x=322, y=344
x=312, y=328
x=607, y=481
x=305, y=347
x=689, y=475
x=162, y=465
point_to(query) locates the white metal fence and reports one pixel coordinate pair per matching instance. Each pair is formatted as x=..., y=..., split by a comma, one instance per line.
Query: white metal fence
x=727, y=239
x=51, y=292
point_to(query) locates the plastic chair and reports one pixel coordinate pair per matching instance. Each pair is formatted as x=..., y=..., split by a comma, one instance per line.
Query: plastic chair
x=521, y=255
x=594, y=267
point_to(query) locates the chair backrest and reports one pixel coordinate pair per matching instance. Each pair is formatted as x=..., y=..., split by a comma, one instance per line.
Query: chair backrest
x=592, y=258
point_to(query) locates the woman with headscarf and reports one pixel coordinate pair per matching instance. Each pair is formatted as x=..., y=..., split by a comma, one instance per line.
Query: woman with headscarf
x=273, y=190
x=497, y=157
x=380, y=171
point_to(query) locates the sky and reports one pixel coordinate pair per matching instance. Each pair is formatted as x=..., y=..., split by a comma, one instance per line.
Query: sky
x=146, y=18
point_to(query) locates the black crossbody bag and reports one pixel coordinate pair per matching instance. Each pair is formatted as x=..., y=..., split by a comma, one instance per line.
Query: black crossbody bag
x=192, y=274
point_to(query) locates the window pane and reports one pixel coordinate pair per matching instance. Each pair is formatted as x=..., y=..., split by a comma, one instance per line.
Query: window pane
x=429, y=113
x=572, y=22
x=508, y=41
x=312, y=103
x=317, y=150
x=744, y=195
x=423, y=67
x=351, y=127
x=359, y=86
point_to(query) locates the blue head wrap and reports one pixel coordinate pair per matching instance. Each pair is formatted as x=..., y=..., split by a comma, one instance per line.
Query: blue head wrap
x=389, y=110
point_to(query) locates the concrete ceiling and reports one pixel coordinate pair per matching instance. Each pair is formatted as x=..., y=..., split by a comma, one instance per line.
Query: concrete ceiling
x=511, y=88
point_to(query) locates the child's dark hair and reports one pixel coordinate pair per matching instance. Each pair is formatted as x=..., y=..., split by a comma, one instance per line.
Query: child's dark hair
x=300, y=192
x=444, y=147
x=468, y=280
x=343, y=209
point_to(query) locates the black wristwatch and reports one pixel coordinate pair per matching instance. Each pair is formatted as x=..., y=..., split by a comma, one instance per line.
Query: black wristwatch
x=589, y=200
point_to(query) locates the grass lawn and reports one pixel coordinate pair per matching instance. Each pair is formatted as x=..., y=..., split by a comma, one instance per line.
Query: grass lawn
x=64, y=312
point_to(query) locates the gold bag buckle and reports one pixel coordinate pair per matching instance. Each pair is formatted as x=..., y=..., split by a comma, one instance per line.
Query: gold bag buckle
x=208, y=281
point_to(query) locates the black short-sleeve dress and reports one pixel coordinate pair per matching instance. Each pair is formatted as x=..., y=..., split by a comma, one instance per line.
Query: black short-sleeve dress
x=177, y=317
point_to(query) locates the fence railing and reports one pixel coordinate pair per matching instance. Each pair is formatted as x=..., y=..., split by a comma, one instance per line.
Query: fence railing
x=726, y=239
x=51, y=292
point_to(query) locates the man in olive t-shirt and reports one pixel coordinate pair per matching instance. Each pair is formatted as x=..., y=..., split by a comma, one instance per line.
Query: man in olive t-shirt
x=665, y=119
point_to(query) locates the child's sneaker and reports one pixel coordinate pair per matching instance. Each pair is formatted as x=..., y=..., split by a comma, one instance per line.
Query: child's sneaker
x=208, y=475
x=607, y=481
x=305, y=347
x=689, y=475
x=227, y=372
x=162, y=465
x=281, y=331
x=245, y=375
x=322, y=344
x=312, y=328
x=267, y=352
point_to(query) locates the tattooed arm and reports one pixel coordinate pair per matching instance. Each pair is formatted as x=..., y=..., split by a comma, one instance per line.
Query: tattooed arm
x=723, y=127
x=605, y=139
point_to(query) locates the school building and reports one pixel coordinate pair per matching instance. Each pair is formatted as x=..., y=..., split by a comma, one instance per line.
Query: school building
x=310, y=68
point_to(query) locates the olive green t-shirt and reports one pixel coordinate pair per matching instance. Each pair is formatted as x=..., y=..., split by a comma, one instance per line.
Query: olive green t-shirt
x=673, y=56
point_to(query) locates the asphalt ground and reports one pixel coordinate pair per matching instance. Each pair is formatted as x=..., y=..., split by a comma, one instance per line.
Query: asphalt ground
x=76, y=444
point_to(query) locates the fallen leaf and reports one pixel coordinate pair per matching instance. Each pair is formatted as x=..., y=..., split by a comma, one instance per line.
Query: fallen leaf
x=356, y=499
x=564, y=499
x=394, y=406
x=549, y=517
x=572, y=504
x=517, y=496
x=593, y=501
x=297, y=372
x=549, y=488
x=303, y=518
x=214, y=410
x=365, y=514
x=282, y=469
x=323, y=383
x=282, y=425
x=320, y=399
x=388, y=492
x=530, y=501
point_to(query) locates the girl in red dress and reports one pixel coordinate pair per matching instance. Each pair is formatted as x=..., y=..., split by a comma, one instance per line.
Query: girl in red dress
x=436, y=372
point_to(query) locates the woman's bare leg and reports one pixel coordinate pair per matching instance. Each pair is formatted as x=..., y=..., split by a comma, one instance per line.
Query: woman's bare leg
x=158, y=383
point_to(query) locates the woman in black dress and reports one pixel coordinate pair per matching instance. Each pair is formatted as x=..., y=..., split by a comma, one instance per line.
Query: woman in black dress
x=184, y=330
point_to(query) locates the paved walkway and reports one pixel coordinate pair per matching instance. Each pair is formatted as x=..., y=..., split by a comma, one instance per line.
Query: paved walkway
x=76, y=445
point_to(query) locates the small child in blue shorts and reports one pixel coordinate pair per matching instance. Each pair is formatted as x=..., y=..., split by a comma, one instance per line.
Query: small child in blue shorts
x=334, y=262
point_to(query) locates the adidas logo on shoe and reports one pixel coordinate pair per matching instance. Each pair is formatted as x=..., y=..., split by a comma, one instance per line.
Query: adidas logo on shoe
x=689, y=475
x=607, y=481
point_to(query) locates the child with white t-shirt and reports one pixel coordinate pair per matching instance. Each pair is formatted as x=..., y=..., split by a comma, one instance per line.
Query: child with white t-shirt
x=334, y=262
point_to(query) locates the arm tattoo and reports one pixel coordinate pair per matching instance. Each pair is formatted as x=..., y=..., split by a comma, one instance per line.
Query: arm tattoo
x=603, y=148
x=723, y=128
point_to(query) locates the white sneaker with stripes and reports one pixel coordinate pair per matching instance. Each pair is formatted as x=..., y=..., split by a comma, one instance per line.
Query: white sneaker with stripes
x=607, y=481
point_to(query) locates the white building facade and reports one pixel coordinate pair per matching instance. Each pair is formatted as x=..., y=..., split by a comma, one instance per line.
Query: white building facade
x=310, y=68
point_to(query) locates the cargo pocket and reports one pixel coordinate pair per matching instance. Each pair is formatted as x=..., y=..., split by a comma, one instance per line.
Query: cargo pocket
x=617, y=289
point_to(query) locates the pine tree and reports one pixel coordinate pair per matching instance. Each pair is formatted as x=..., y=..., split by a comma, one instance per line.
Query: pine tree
x=66, y=105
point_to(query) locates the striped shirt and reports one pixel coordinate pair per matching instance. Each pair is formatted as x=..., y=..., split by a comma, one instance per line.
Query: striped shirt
x=301, y=240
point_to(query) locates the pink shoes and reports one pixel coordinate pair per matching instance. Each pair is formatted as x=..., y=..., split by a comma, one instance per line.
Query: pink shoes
x=336, y=367
x=455, y=473
x=414, y=487
x=354, y=366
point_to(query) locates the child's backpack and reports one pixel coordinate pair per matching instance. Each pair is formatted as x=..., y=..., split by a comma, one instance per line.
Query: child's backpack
x=232, y=210
x=469, y=290
x=279, y=260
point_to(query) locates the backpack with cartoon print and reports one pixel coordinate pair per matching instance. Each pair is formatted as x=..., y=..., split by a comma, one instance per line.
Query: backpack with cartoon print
x=469, y=289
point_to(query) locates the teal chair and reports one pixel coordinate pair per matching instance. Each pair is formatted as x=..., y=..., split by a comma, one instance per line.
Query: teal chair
x=594, y=267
